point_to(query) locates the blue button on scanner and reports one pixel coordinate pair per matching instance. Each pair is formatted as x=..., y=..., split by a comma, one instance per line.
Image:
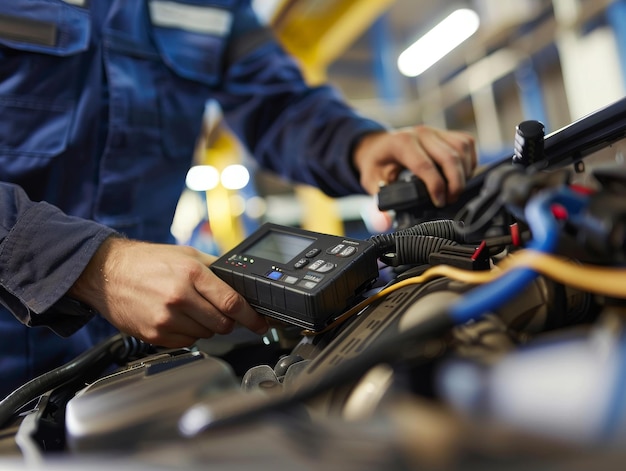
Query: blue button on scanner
x=275, y=275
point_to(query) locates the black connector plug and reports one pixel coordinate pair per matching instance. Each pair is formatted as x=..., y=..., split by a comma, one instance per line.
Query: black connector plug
x=466, y=258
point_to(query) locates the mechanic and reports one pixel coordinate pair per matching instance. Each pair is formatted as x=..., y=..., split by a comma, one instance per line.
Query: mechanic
x=102, y=104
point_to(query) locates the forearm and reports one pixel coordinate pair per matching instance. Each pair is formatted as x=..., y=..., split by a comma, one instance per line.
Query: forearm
x=318, y=137
x=302, y=133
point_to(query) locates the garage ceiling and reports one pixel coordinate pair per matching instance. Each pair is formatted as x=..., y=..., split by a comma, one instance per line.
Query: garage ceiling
x=354, y=44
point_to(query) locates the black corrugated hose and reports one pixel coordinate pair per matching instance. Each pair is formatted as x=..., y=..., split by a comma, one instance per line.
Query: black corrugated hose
x=413, y=245
x=443, y=228
x=118, y=348
x=412, y=250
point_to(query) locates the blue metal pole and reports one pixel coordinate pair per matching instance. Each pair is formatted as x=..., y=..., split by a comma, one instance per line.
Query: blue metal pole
x=385, y=71
x=531, y=96
x=616, y=17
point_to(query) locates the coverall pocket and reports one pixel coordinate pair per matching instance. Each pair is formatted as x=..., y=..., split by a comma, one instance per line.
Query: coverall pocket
x=44, y=26
x=192, y=38
x=36, y=113
x=34, y=127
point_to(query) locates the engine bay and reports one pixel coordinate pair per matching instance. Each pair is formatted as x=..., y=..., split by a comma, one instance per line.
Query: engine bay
x=492, y=337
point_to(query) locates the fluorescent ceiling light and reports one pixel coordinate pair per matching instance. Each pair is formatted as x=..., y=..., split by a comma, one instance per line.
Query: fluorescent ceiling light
x=439, y=41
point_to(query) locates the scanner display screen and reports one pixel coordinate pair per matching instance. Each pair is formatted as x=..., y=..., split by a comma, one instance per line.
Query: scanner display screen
x=279, y=247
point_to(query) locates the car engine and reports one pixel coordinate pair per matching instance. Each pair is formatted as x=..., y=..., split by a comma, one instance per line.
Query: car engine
x=493, y=337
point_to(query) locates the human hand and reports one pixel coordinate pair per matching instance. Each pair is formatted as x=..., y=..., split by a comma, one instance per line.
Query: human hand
x=163, y=294
x=442, y=159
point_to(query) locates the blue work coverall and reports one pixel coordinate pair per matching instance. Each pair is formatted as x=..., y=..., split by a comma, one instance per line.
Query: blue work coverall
x=101, y=105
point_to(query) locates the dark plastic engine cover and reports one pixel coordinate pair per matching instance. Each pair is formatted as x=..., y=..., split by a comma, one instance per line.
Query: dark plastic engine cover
x=144, y=401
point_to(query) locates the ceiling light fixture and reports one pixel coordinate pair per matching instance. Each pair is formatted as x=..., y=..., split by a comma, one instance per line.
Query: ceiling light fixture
x=439, y=41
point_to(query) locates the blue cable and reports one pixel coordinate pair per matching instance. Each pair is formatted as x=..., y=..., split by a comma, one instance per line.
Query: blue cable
x=545, y=232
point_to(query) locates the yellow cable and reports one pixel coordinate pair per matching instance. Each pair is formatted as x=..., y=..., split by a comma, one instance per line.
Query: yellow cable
x=437, y=271
x=608, y=281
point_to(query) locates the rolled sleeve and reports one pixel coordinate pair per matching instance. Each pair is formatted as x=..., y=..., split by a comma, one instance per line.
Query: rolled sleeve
x=42, y=253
